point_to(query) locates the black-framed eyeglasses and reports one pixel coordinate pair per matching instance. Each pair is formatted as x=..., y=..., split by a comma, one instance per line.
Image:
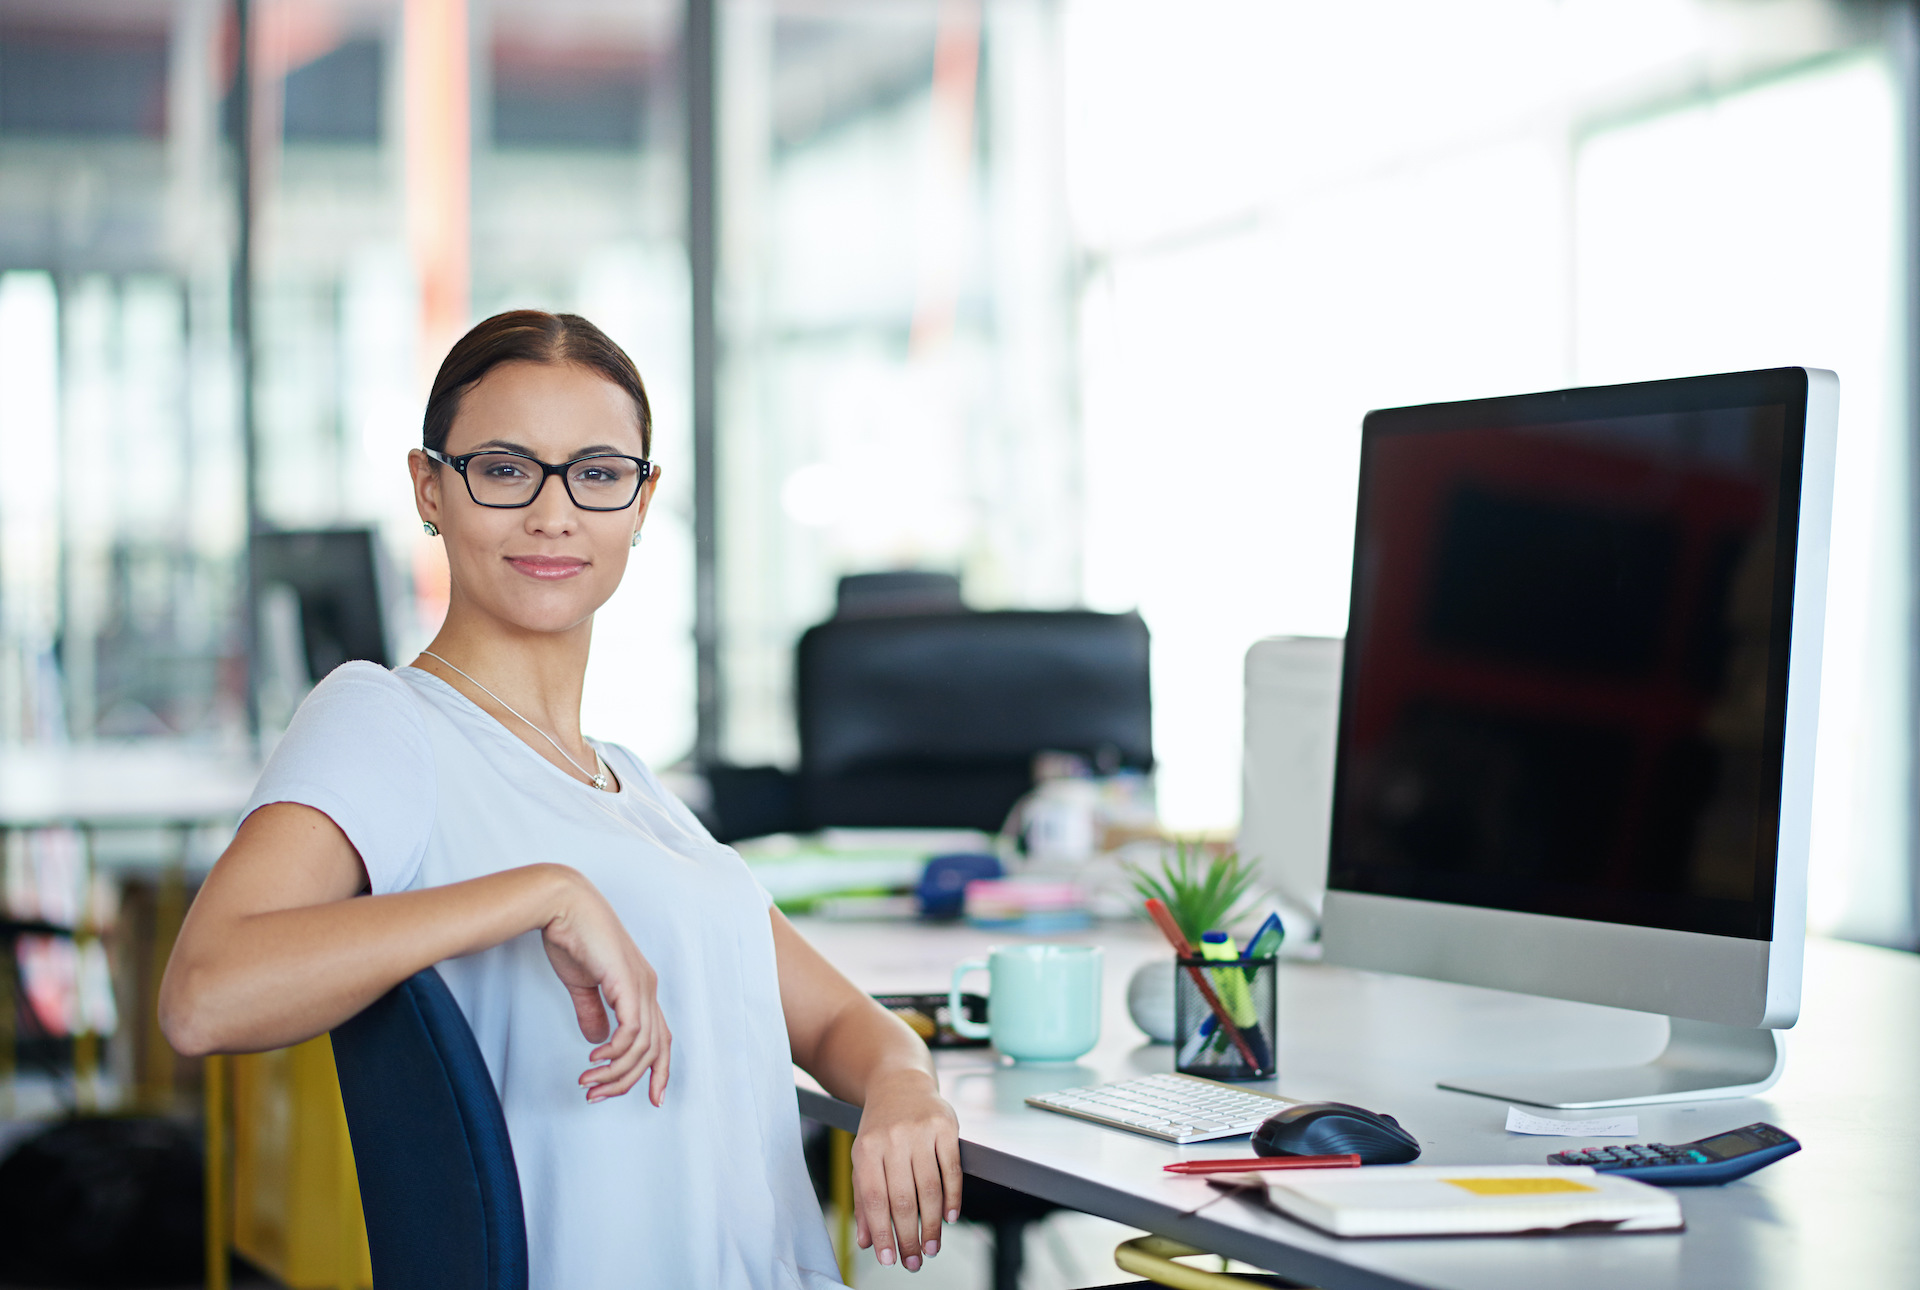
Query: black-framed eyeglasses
x=602, y=482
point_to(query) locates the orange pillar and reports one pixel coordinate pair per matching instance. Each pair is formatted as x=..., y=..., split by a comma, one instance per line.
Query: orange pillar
x=956, y=68
x=438, y=146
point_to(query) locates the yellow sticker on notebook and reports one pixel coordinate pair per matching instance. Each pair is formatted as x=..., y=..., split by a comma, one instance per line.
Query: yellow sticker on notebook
x=1518, y=1186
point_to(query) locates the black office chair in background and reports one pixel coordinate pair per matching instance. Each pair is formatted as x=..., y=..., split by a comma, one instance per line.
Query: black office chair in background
x=437, y=1180
x=933, y=720
x=916, y=713
x=896, y=592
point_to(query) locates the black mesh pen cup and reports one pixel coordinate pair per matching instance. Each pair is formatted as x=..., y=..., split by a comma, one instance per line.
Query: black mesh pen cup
x=1226, y=1030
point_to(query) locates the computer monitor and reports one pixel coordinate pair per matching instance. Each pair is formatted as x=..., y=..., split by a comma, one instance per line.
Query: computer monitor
x=1581, y=681
x=335, y=576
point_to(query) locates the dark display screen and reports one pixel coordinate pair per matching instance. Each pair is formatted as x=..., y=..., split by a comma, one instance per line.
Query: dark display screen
x=1566, y=666
x=1728, y=1145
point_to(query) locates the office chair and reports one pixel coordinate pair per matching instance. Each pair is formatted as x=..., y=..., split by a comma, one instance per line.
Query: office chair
x=933, y=720
x=753, y=801
x=437, y=1179
x=896, y=592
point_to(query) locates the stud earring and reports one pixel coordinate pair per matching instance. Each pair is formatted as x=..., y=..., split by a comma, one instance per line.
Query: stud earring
x=636, y=538
x=428, y=526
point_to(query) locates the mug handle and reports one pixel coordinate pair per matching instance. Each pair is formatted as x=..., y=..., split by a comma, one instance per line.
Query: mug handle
x=957, y=1014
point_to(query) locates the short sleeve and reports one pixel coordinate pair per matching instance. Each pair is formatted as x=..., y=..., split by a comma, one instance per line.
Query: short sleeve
x=358, y=752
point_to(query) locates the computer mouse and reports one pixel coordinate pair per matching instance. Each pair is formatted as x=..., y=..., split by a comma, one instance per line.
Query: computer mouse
x=1336, y=1129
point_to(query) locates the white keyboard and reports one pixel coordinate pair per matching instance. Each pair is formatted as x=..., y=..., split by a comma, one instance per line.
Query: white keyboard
x=1173, y=1108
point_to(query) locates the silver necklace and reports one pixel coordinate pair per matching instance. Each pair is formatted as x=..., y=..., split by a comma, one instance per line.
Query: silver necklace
x=597, y=777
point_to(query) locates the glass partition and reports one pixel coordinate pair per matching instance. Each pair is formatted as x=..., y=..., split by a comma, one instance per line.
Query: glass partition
x=121, y=519
x=895, y=306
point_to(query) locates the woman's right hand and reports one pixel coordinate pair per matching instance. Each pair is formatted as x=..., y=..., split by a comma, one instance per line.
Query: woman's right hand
x=602, y=968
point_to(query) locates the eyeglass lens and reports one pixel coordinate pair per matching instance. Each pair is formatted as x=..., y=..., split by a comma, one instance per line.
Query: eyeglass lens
x=594, y=483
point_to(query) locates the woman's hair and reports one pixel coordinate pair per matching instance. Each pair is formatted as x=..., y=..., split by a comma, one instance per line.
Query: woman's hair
x=529, y=336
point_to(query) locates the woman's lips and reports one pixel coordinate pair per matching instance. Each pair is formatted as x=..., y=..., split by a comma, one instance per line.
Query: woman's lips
x=547, y=568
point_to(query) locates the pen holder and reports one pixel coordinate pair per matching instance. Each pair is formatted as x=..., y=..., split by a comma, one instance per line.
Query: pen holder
x=1247, y=993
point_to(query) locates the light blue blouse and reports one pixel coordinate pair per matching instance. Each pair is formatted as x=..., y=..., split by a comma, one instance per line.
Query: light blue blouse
x=707, y=1190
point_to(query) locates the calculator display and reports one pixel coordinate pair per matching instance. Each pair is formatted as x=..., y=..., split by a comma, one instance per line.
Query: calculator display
x=1727, y=1145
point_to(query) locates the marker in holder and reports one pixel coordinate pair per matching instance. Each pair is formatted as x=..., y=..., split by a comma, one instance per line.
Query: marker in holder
x=1249, y=988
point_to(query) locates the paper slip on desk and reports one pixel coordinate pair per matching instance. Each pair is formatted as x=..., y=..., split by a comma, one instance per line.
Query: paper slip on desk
x=1473, y=1200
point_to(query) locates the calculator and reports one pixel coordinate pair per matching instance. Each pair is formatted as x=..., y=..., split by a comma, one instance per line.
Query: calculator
x=1706, y=1163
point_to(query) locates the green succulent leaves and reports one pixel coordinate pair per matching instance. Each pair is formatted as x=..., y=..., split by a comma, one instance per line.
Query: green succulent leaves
x=1199, y=891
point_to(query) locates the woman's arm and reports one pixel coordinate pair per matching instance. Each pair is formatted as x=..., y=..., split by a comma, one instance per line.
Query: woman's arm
x=279, y=946
x=906, y=1159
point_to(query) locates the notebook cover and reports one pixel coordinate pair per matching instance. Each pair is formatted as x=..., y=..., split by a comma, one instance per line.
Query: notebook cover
x=1471, y=1200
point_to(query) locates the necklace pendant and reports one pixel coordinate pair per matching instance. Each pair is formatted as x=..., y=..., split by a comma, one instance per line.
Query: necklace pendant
x=600, y=782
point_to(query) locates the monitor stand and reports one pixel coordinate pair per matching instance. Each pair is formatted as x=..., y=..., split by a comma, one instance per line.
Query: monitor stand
x=1701, y=1061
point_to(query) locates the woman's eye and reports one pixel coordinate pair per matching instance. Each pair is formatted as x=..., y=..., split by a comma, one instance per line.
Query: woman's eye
x=601, y=474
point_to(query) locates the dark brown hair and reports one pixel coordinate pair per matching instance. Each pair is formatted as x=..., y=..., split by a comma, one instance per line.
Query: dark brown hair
x=529, y=336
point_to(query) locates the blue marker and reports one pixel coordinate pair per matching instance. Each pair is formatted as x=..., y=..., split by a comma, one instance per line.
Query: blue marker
x=1266, y=940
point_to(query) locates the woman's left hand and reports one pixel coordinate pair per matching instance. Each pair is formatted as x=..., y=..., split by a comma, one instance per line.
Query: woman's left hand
x=906, y=1168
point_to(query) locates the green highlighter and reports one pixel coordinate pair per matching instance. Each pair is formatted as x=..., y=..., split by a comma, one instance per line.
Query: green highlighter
x=1232, y=986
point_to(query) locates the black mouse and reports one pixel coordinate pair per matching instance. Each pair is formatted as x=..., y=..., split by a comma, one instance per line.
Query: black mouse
x=1336, y=1129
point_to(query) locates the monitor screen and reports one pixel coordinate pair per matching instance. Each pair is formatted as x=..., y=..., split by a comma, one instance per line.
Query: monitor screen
x=1566, y=663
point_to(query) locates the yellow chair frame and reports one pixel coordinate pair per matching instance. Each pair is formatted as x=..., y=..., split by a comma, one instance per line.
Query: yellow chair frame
x=1153, y=1257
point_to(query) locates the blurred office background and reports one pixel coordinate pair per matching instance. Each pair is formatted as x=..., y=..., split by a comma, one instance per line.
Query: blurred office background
x=1081, y=300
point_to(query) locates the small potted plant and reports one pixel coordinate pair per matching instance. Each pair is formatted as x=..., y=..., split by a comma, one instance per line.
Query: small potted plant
x=1201, y=892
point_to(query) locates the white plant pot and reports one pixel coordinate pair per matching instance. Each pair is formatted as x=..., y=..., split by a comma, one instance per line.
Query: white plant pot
x=1150, y=999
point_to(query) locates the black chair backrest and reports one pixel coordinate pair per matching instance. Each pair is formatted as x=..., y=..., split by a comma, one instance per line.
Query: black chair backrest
x=437, y=1179
x=933, y=720
x=896, y=592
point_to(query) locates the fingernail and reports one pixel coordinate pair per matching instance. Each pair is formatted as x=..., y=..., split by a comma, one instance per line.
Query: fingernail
x=931, y=1248
x=953, y=1216
x=886, y=1258
x=912, y=1262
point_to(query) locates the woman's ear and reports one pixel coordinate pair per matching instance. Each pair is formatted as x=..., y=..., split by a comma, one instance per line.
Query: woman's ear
x=645, y=501
x=426, y=486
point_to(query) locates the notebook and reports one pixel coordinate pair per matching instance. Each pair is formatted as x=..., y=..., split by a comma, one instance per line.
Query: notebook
x=1470, y=1200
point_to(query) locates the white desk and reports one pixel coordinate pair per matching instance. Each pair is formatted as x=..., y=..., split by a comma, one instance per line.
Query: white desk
x=1845, y=1211
x=122, y=785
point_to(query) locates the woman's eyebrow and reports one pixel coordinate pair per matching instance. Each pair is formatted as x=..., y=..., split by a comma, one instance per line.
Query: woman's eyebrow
x=507, y=445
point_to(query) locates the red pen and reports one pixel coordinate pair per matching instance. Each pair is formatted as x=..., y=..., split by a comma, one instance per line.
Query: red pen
x=1253, y=1163
x=1163, y=919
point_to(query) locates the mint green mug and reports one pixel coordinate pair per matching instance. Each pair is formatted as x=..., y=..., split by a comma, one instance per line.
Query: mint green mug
x=1043, y=1005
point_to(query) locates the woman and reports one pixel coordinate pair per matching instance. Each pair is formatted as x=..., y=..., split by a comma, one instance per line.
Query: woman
x=451, y=813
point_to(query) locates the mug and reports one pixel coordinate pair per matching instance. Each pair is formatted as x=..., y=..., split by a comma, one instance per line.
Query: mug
x=1043, y=1004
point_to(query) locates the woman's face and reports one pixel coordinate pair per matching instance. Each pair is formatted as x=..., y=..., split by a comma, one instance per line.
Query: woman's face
x=548, y=566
